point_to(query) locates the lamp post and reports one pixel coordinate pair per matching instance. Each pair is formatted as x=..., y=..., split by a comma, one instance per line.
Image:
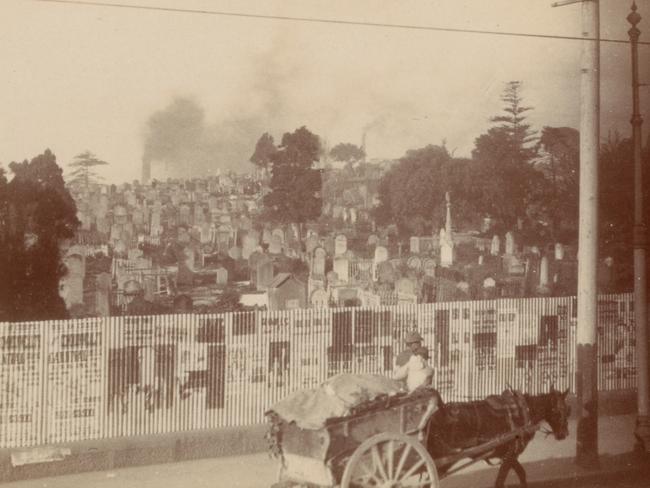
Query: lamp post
x=642, y=431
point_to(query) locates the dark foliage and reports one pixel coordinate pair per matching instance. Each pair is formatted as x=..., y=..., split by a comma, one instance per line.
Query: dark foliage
x=347, y=152
x=295, y=195
x=36, y=214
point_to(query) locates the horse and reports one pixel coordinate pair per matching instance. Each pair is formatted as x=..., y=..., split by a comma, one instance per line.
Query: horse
x=465, y=425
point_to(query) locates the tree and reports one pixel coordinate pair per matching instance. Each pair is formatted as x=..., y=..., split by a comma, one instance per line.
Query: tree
x=84, y=174
x=559, y=162
x=347, y=152
x=503, y=156
x=264, y=150
x=38, y=213
x=411, y=194
x=295, y=185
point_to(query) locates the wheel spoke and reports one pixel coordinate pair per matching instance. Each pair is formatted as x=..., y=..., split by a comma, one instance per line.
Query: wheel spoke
x=413, y=469
x=376, y=461
x=402, y=460
x=389, y=454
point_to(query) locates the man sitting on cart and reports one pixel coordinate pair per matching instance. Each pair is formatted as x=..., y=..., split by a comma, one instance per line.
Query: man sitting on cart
x=416, y=371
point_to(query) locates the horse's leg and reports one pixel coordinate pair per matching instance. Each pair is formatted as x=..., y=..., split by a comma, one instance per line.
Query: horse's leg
x=521, y=472
x=504, y=469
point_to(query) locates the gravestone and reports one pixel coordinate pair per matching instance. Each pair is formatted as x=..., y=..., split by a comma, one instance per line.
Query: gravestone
x=278, y=235
x=206, y=235
x=353, y=215
x=372, y=240
x=463, y=286
x=414, y=263
x=199, y=215
x=318, y=262
x=264, y=273
x=266, y=236
x=221, y=276
x=235, y=253
x=489, y=283
x=134, y=254
x=311, y=243
x=340, y=245
x=341, y=268
x=414, y=243
x=406, y=286
x=332, y=278
x=249, y=243
x=275, y=246
x=510, y=243
x=543, y=275
x=559, y=251
x=429, y=267
x=495, y=247
x=102, y=294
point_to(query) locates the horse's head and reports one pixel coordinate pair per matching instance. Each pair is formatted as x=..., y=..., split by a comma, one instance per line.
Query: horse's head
x=557, y=412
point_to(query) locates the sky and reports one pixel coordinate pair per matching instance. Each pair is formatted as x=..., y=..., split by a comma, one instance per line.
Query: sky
x=118, y=82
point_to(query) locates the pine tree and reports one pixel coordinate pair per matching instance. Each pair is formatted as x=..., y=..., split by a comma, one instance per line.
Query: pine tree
x=83, y=174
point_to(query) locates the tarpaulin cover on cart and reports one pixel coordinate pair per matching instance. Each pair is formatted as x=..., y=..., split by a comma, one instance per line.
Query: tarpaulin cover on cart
x=310, y=408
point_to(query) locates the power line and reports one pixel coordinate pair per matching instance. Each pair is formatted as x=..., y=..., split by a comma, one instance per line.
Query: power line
x=335, y=21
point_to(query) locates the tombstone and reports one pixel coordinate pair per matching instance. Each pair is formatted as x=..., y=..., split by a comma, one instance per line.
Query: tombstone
x=495, y=247
x=120, y=215
x=414, y=263
x=249, y=243
x=429, y=267
x=221, y=276
x=559, y=251
x=318, y=262
x=183, y=236
x=266, y=236
x=185, y=275
x=102, y=294
x=486, y=225
x=489, y=283
x=365, y=270
x=480, y=260
x=543, y=275
x=235, y=253
x=155, y=227
x=199, y=215
x=446, y=249
x=319, y=299
x=134, y=254
x=138, y=218
x=414, y=243
x=311, y=243
x=405, y=286
x=205, y=236
x=341, y=268
x=381, y=255
x=353, y=216
x=337, y=212
x=510, y=243
x=340, y=245
x=332, y=278
x=184, y=216
x=278, y=235
x=275, y=246
x=372, y=240
x=264, y=273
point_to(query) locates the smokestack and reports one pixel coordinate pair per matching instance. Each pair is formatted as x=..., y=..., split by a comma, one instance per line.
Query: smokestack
x=146, y=170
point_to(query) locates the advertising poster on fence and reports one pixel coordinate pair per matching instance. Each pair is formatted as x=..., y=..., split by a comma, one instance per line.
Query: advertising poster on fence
x=21, y=402
x=74, y=380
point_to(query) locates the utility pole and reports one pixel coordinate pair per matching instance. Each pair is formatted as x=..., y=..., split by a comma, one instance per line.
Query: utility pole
x=586, y=376
x=642, y=431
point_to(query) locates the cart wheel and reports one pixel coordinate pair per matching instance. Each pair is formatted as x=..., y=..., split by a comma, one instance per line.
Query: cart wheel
x=390, y=461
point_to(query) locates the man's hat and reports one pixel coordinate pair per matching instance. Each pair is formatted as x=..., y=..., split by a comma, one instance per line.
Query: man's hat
x=413, y=336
